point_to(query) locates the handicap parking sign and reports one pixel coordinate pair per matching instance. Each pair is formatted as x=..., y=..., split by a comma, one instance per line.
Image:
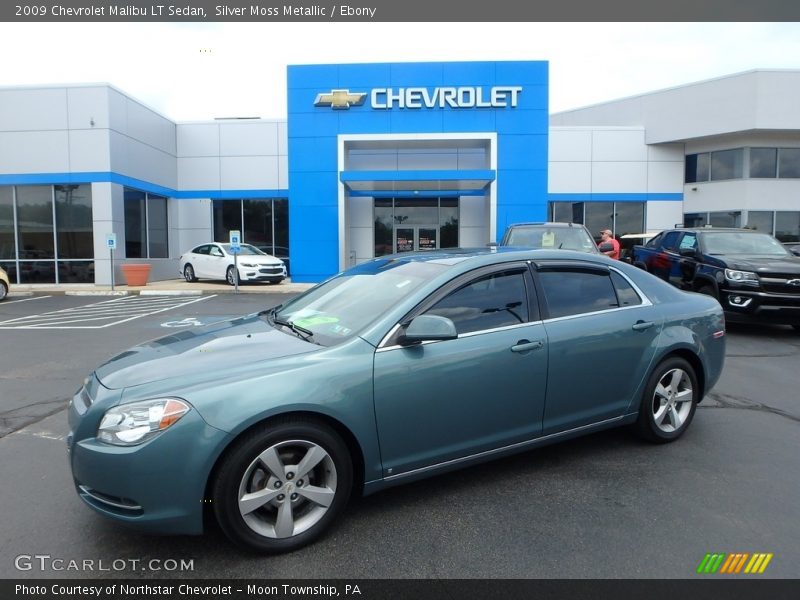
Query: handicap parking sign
x=235, y=241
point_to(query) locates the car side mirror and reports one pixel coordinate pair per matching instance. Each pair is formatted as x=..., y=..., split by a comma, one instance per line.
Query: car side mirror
x=688, y=252
x=426, y=328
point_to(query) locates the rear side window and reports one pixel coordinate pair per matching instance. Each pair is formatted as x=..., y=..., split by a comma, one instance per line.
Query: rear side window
x=491, y=301
x=626, y=295
x=573, y=292
x=201, y=250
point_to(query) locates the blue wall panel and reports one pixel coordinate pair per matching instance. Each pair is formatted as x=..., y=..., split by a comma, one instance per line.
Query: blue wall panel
x=313, y=163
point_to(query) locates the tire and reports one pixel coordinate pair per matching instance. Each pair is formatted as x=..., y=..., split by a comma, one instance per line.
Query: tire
x=707, y=290
x=230, y=276
x=294, y=508
x=3, y=290
x=188, y=273
x=673, y=383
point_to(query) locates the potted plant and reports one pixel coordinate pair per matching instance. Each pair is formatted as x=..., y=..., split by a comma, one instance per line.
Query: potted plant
x=135, y=274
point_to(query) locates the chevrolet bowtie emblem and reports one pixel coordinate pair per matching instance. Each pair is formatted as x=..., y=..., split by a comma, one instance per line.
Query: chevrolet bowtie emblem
x=794, y=282
x=340, y=99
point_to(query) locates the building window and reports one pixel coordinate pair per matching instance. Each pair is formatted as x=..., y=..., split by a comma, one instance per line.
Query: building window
x=405, y=224
x=760, y=220
x=146, y=225
x=725, y=219
x=789, y=163
x=787, y=226
x=697, y=167
x=263, y=222
x=695, y=219
x=46, y=233
x=727, y=164
x=763, y=162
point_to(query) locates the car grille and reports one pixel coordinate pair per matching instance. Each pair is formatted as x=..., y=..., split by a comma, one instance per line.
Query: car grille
x=780, y=285
x=271, y=270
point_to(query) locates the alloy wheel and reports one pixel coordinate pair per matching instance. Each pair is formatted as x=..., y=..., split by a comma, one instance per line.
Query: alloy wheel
x=287, y=489
x=672, y=400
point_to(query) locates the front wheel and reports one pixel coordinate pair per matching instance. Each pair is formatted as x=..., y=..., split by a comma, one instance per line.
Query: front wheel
x=3, y=290
x=669, y=401
x=282, y=485
x=230, y=276
x=707, y=290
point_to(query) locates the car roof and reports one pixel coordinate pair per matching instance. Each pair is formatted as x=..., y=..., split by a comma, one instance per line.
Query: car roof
x=545, y=224
x=474, y=257
x=719, y=229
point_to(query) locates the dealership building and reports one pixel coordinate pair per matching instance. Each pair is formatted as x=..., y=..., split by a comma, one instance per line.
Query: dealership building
x=379, y=158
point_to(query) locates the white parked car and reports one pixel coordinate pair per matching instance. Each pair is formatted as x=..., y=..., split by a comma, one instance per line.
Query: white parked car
x=215, y=261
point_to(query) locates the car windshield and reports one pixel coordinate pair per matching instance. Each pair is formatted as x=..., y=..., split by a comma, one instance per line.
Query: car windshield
x=246, y=250
x=565, y=238
x=339, y=308
x=734, y=242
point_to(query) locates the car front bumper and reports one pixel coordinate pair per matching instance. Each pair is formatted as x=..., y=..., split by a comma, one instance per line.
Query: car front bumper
x=749, y=306
x=158, y=486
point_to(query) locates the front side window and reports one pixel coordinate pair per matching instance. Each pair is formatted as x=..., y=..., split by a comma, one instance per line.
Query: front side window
x=492, y=301
x=671, y=240
x=689, y=240
x=576, y=291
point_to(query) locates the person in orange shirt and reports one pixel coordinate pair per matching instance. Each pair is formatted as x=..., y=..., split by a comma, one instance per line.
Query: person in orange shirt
x=607, y=237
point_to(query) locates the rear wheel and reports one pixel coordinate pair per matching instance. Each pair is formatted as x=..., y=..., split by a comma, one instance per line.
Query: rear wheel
x=3, y=290
x=669, y=401
x=188, y=273
x=282, y=485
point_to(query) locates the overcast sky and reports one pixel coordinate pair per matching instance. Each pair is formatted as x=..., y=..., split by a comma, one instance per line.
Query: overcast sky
x=202, y=71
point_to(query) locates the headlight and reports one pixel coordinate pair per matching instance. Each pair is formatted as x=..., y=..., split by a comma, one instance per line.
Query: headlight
x=132, y=424
x=249, y=265
x=741, y=276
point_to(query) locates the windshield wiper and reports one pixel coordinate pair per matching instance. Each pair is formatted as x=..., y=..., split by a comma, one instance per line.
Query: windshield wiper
x=307, y=334
x=302, y=332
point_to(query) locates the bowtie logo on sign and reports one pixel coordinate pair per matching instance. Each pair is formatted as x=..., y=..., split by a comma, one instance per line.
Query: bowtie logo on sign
x=418, y=97
x=340, y=99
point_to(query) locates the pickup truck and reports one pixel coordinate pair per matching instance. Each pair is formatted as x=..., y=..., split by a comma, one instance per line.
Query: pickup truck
x=750, y=273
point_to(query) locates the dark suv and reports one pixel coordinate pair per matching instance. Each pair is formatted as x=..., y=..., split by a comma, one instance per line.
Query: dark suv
x=751, y=273
x=564, y=236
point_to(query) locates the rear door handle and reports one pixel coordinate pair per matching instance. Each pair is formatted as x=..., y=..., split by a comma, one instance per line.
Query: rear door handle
x=526, y=346
x=642, y=325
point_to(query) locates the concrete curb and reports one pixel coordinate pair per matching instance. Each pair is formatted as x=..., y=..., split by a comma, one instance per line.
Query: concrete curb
x=170, y=288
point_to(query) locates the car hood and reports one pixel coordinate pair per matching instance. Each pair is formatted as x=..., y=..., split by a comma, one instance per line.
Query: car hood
x=260, y=260
x=217, y=347
x=765, y=264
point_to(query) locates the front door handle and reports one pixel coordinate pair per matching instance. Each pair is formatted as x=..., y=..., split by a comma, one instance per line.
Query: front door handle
x=642, y=325
x=527, y=346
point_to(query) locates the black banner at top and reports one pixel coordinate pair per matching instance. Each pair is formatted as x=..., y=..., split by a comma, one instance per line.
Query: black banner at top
x=234, y=11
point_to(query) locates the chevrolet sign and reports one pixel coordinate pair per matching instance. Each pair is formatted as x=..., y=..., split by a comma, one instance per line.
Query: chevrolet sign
x=418, y=97
x=440, y=97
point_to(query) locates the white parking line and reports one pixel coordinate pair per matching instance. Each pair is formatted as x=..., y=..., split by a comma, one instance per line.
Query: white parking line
x=7, y=302
x=91, y=316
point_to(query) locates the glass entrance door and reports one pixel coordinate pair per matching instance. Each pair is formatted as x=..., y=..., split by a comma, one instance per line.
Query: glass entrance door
x=416, y=237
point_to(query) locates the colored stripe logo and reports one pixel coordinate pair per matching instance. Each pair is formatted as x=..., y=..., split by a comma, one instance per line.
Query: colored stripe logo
x=734, y=563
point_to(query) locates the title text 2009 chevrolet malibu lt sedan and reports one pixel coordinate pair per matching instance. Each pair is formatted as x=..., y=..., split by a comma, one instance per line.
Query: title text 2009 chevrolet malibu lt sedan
x=400, y=368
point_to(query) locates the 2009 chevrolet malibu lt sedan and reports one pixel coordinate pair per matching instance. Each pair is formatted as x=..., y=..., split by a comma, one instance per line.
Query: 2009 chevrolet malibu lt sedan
x=400, y=368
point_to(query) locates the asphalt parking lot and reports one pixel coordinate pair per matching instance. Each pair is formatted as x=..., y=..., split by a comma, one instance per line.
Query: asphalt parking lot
x=604, y=506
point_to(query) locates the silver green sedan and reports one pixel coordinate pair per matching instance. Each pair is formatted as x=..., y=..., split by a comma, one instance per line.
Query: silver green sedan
x=397, y=369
